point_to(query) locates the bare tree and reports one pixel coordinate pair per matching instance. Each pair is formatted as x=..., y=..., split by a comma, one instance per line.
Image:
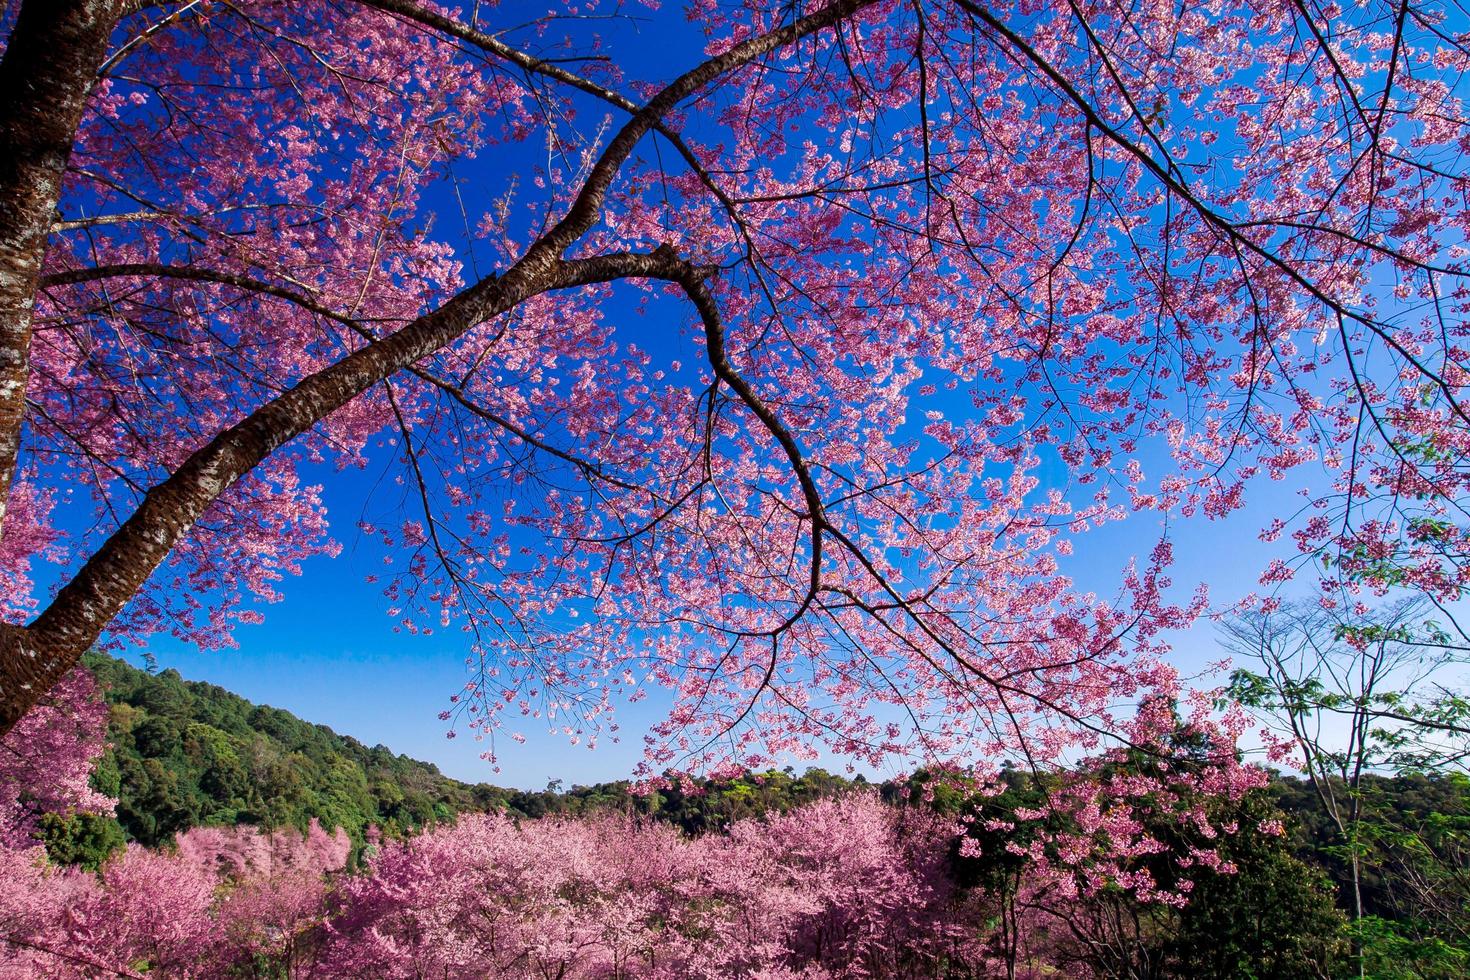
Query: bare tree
x=1352, y=691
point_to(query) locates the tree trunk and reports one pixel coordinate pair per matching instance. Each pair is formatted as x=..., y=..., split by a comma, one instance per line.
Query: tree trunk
x=27, y=672
x=47, y=72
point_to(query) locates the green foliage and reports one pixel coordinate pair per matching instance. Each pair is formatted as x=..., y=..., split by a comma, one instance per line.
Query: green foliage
x=83, y=839
x=991, y=822
x=701, y=806
x=187, y=754
x=1394, y=951
x=1273, y=918
x=1414, y=844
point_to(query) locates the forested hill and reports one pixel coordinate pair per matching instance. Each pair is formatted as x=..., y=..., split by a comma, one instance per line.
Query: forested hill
x=186, y=753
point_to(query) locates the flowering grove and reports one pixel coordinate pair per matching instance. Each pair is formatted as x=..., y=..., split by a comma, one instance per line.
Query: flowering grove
x=842, y=887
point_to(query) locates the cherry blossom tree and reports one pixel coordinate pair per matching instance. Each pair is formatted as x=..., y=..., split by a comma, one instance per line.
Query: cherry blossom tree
x=276, y=898
x=223, y=899
x=845, y=888
x=953, y=283
x=46, y=761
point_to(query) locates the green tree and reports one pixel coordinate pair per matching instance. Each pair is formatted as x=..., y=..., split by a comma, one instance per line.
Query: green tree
x=83, y=839
x=1274, y=918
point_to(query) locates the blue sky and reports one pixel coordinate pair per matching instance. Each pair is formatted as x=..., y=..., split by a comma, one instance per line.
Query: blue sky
x=330, y=653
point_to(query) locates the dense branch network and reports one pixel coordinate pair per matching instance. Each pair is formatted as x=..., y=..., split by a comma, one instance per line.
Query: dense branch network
x=925, y=256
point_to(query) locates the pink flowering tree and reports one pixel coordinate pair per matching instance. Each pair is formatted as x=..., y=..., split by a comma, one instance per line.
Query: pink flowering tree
x=874, y=894
x=276, y=889
x=46, y=761
x=223, y=899
x=222, y=896
x=933, y=288
x=848, y=888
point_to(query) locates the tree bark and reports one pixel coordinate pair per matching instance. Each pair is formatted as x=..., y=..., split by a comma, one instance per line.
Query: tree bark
x=48, y=70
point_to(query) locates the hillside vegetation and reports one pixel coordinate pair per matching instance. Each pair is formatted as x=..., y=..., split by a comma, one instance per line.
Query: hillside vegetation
x=197, y=769
x=188, y=754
